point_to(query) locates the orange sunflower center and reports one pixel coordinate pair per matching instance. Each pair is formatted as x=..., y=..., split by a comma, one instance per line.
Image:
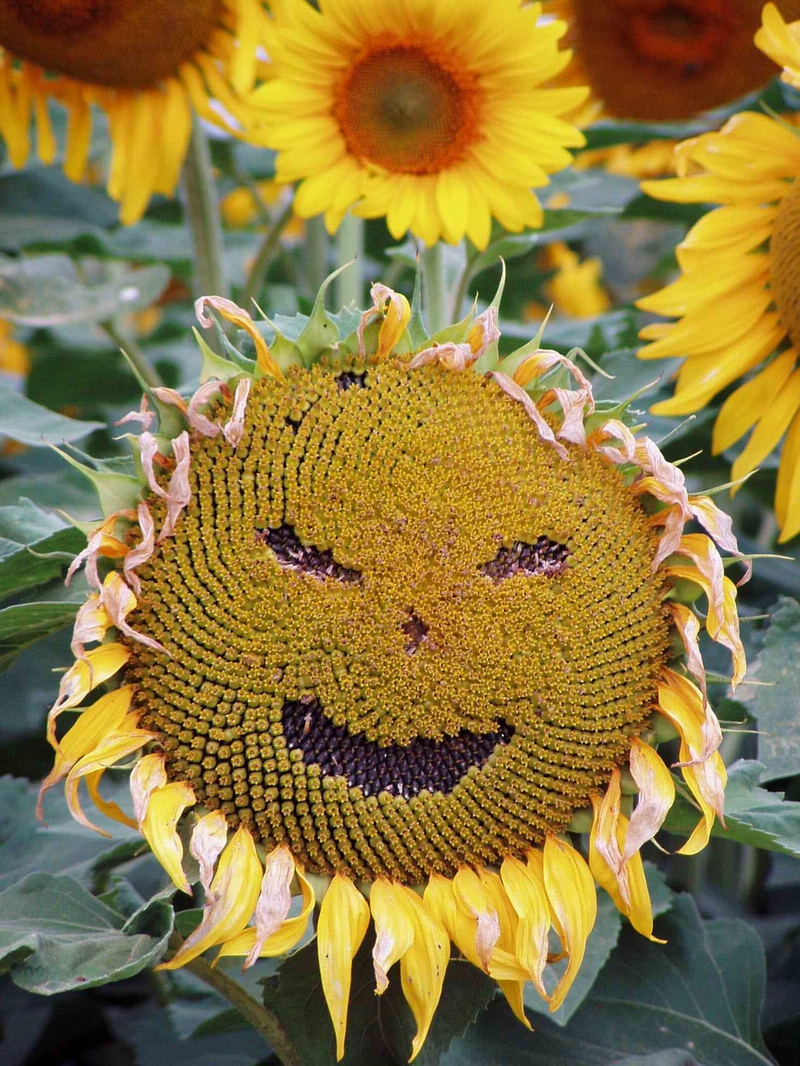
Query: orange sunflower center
x=785, y=263
x=658, y=60
x=131, y=44
x=412, y=109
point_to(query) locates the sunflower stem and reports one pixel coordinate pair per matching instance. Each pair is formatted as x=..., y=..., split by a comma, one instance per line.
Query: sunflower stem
x=136, y=357
x=349, y=246
x=434, y=288
x=262, y=1020
x=269, y=249
x=315, y=259
x=202, y=209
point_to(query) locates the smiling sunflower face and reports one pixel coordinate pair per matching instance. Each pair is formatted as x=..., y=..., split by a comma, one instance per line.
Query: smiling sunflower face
x=390, y=623
x=380, y=617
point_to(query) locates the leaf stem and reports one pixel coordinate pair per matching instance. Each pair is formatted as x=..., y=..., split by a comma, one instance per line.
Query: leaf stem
x=262, y=1020
x=268, y=250
x=349, y=246
x=136, y=357
x=202, y=210
x=434, y=288
x=315, y=260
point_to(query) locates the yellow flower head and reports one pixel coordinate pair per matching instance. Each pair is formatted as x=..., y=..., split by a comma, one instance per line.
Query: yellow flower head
x=399, y=617
x=738, y=296
x=657, y=60
x=428, y=113
x=781, y=42
x=147, y=63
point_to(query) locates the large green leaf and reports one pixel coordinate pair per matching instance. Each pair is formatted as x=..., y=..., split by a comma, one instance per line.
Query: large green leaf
x=30, y=423
x=753, y=815
x=701, y=993
x=60, y=846
x=774, y=704
x=24, y=623
x=35, y=547
x=379, y=1028
x=52, y=290
x=55, y=936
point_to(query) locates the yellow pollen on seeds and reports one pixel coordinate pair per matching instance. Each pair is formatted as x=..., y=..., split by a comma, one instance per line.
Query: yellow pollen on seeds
x=785, y=262
x=354, y=566
x=130, y=44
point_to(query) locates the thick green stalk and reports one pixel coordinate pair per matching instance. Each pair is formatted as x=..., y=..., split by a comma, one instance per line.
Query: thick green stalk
x=268, y=250
x=315, y=255
x=434, y=288
x=349, y=246
x=202, y=210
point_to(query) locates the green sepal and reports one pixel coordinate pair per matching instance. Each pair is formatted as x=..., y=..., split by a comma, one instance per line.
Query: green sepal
x=284, y=352
x=457, y=333
x=116, y=492
x=491, y=357
x=418, y=335
x=170, y=421
x=213, y=366
x=320, y=332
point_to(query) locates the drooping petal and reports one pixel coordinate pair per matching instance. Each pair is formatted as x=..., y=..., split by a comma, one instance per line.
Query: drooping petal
x=119, y=600
x=82, y=677
x=605, y=832
x=540, y=362
x=107, y=807
x=484, y=332
x=525, y=887
x=234, y=427
x=684, y=704
x=656, y=796
x=635, y=905
x=209, y=837
x=91, y=623
x=178, y=493
x=397, y=313
x=706, y=782
x=423, y=967
x=165, y=805
x=688, y=625
x=281, y=941
x=342, y=925
x=239, y=317
x=274, y=899
x=229, y=903
x=150, y=772
x=570, y=891
x=450, y=355
x=143, y=550
x=472, y=894
x=722, y=623
x=516, y=392
x=394, y=929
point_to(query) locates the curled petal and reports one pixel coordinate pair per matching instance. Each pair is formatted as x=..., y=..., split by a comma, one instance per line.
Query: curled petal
x=449, y=355
x=539, y=362
x=342, y=926
x=149, y=773
x=394, y=929
x=230, y=901
x=274, y=899
x=423, y=966
x=101, y=542
x=209, y=837
x=636, y=903
x=143, y=550
x=684, y=704
x=605, y=828
x=706, y=782
x=483, y=332
x=572, y=403
x=83, y=676
x=472, y=894
x=91, y=623
x=571, y=893
x=107, y=807
x=524, y=885
x=149, y=453
x=165, y=805
x=239, y=317
x=179, y=492
x=688, y=625
x=234, y=428
x=144, y=415
x=118, y=601
x=115, y=746
x=397, y=313
x=656, y=796
x=281, y=941
x=191, y=410
x=516, y=392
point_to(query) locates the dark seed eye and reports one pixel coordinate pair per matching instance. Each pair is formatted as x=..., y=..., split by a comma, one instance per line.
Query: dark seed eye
x=545, y=558
x=292, y=554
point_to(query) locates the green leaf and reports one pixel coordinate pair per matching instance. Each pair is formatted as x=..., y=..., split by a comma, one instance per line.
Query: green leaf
x=60, y=846
x=701, y=991
x=29, y=423
x=775, y=706
x=52, y=290
x=24, y=623
x=55, y=936
x=379, y=1028
x=25, y=527
x=753, y=815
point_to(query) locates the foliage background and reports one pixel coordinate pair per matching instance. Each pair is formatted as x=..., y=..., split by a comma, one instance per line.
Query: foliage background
x=83, y=917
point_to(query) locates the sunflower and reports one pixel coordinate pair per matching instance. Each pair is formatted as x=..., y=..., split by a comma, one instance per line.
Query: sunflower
x=575, y=289
x=148, y=64
x=781, y=42
x=664, y=60
x=386, y=626
x=428, y=113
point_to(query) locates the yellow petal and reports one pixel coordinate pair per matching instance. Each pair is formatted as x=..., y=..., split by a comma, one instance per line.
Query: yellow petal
x=274, y=899
x=107, y=807
x=82, y=677
x=164, y=809
x=240, y=318
x=656, y=796
x=706, y=782
x=281, y=941
x=636, y=906
x=342, y=925
x=751, y=401
x=423, y=966
x=571, y=892
x=605, y=834
x=472, y=894
x=394, y=929
x=787, y=491
x=525, y=887
x=209, y=837
x=229, y=904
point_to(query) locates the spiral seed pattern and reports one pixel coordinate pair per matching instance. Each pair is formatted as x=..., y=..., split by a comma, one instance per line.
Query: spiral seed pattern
x=433, y=488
